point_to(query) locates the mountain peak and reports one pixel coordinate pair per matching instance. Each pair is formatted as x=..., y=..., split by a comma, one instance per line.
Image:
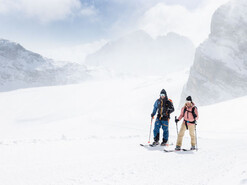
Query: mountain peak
x=11, y=45
x=138, y=53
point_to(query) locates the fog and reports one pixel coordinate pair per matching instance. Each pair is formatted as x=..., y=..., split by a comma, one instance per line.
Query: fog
x=138, y=53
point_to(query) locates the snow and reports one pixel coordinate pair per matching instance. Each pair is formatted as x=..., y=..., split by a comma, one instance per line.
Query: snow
x=90, y=133
x=219, y=71
x=20, y=68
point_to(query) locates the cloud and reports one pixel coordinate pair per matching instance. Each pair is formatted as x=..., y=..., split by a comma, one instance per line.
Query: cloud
x=88, y=11
x=5, y=6
x=195, y=24
x=45, y=10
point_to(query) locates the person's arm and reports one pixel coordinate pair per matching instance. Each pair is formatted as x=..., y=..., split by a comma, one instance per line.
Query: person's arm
x=181, y=114
x=155, y=108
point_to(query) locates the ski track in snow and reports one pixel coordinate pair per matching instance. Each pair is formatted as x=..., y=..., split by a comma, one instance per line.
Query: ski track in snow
x=91, y=133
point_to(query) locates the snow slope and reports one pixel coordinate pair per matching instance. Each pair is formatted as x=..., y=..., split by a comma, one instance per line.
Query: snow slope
x=90, y=134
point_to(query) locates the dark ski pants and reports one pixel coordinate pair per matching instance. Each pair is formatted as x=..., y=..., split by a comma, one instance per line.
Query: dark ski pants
x=164, y=125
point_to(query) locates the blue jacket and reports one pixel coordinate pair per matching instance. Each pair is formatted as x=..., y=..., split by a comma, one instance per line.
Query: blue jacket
x=164, y=108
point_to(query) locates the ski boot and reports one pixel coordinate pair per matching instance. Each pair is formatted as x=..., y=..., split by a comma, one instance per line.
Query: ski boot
x=192, y=148
x=156, y=140
x=178, y=148
x=164, y=142
x=155, y=143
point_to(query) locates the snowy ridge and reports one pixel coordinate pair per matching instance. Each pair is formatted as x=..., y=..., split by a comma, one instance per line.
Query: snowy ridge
x=219, y=71
x=20, y=68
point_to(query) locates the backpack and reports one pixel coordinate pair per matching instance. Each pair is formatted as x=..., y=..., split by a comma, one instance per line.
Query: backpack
x=193, y=112
x=164, y=108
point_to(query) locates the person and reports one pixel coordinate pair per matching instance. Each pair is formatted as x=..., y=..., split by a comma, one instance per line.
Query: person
x=190, y=114
x=164, y=106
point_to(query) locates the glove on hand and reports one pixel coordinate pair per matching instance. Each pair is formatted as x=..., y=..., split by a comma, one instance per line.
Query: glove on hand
x=176, y=120
x=152, y=115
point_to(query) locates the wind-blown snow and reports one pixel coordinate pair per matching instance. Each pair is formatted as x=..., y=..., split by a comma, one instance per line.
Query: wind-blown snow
x=90, y=134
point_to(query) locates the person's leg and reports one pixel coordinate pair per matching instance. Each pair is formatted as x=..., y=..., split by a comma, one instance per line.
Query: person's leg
x=165, y=131
x=181, y=135
x=156, y=131
x=191, y=128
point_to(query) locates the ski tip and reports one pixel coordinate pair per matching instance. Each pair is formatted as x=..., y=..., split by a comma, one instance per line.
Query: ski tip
x=169, y=150
x=190, y=149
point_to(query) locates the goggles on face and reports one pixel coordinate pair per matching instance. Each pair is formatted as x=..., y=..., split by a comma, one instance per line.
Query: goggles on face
x=162, y=95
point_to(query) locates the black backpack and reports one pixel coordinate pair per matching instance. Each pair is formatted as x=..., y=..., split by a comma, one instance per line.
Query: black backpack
x=193, y=111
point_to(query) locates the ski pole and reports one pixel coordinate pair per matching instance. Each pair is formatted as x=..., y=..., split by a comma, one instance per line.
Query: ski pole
x=196, y=138
x=150, y=130
x=176, y=125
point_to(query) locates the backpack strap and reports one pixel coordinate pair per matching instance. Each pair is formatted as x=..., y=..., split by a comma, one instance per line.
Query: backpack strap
x=185, y=109
x=161, y=108
x=193, y=111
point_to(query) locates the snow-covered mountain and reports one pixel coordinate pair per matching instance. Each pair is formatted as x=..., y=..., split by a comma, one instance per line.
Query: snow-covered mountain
x=219, y=71
x=138, y=53
x=20, y=68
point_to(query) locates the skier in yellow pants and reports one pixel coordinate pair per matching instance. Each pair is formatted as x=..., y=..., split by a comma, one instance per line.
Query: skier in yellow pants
x=190, y=114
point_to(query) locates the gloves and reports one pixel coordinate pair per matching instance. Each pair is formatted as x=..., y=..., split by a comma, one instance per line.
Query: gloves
x=176, y=120
x=152, y=115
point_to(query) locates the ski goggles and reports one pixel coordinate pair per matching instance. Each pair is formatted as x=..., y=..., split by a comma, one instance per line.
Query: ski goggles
x=162, y=95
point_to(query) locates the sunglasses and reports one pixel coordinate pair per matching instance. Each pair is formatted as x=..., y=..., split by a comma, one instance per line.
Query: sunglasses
x=162, y=95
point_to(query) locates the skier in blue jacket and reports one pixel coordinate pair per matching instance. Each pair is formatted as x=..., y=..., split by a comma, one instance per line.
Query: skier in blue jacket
x=164, y=106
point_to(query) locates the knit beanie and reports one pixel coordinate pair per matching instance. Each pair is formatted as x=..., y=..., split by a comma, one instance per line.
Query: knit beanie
x=189, y=98
x=163, y=91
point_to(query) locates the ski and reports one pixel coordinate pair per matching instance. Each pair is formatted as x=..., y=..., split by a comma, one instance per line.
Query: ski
x=186, y=149
x=182, y=150
x=189, y=149
x=151, y=145
x=171, y=150
x=143, y=145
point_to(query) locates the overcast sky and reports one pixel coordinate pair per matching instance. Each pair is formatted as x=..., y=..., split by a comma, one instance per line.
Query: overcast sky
x=54, y=25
